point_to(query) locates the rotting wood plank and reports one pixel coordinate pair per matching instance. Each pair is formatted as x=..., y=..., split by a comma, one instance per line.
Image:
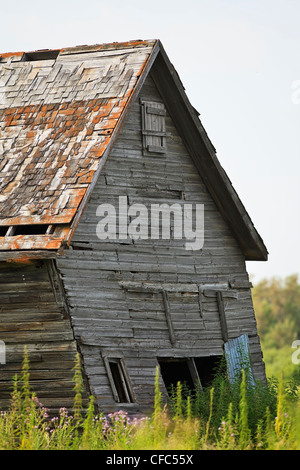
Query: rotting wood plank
x=168, y=317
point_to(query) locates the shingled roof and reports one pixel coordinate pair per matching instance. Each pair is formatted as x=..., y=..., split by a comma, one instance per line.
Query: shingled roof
x=58, y=111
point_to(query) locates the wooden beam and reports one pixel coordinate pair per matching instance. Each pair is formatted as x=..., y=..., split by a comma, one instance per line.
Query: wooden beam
x=194, y=373
x=222, y=316
x=168, y=317
x=144, y=286
x=10, y=231
x=11, y=255
x=111, y=380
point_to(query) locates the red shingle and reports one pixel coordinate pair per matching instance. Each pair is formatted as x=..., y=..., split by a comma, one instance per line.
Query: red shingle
x=56, y=119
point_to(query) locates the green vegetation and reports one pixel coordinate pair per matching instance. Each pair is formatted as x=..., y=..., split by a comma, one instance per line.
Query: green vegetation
x=221, y=417
x=277, y=308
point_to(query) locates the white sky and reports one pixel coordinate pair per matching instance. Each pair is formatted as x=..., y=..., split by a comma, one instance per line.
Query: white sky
x=238, y=60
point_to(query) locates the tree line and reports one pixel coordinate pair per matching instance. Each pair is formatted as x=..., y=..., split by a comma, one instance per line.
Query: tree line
x=277, y=307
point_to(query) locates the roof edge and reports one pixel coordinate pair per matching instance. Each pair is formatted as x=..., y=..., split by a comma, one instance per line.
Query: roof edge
x=204, y=155
x=80, y=49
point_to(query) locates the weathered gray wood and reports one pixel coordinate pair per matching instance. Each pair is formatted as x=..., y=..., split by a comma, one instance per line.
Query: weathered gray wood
x=222, y=315
x=32, y=314
x=203, y=153
x=240, y=284
x=168, y=317
x=114, y=289
x=39, y=254
x=194, y=372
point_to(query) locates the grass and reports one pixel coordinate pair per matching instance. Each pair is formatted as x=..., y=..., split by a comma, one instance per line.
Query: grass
x=221, y=417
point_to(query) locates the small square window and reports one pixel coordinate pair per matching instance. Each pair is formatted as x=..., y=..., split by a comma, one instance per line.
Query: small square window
x=119, y=380
x=153, y=127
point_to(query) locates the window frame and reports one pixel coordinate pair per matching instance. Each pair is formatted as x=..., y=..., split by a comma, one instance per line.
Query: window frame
x=153, y=130
x=125, y=382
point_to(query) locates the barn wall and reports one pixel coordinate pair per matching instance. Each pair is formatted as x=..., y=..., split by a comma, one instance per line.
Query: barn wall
x=113, y=315
x=33, y=314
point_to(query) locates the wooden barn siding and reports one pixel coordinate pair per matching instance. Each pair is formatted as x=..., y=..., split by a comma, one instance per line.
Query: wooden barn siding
x=109, y=318
x=32, y=314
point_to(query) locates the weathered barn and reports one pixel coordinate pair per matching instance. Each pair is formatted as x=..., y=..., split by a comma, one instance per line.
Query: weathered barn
x=85, y=131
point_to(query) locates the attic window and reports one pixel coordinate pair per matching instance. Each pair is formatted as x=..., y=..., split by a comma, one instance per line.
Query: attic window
x=153, y=127
x=119, y=380
x=40, y=55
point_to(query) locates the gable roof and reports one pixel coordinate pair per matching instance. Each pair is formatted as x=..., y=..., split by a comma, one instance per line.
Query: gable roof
x=60, y=111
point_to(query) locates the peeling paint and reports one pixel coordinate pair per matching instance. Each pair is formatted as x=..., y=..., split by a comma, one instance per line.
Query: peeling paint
x=30, y=242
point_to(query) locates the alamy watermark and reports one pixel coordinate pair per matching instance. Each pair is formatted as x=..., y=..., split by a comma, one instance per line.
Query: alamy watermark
x=296, y=354
x=160, y=221
x=2, y=352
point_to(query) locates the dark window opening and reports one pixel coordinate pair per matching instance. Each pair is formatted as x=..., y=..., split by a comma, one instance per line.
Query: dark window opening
x=40, y=55
x=3, y=231
x=30, y=229
x=119, y=380
x=207, y=368
x=177, y=370
x=190, y=372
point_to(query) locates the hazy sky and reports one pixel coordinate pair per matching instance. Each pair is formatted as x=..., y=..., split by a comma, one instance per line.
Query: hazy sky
x=239, y=61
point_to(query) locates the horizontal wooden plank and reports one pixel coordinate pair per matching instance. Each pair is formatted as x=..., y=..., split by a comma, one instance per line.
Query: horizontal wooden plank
x=38, y=336
x=50, y=326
